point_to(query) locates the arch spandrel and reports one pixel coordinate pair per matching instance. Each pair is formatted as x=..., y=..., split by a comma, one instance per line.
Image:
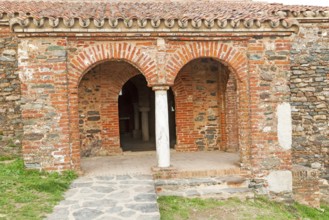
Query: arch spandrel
x=235, y=60
x=91, y=56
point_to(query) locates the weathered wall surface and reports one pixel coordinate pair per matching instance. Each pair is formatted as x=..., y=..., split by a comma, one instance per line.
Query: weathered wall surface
x=98, y=107
x=202, y=107
x=10, y=94
x=51, y=69
x=310, y=97
x=42, y=67
x=269, y=69
x=306, y=186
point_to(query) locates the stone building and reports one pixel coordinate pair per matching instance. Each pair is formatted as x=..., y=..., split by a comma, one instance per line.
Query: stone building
x=96, y=78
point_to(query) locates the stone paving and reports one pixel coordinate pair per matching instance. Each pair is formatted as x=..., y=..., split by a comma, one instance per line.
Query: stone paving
x=121, y=187
x=109, y=197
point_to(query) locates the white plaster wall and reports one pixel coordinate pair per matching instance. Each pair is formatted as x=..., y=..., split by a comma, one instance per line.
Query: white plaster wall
x=284, y=125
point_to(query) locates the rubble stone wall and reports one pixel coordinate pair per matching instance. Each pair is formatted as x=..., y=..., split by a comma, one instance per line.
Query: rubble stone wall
x=98, y=107
x=309, y=82
x=10, y=95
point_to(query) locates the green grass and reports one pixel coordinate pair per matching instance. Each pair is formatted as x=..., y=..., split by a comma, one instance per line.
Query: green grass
x=7, y=157
x=29, y=194
x=178, y=208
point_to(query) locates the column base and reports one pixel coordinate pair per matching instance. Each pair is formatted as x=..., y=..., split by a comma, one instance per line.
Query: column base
x=164, y=173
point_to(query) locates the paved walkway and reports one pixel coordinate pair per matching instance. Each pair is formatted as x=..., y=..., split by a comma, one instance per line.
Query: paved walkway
x=121, y=187
x=109, y=197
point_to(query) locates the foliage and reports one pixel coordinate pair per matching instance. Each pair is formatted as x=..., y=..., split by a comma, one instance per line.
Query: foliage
x=178, y=208
x=30, y=194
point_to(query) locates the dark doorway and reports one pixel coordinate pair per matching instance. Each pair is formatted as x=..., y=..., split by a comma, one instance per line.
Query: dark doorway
x=136, y=120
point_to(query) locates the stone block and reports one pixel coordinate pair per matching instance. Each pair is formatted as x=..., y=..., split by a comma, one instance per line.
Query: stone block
x=279, y=181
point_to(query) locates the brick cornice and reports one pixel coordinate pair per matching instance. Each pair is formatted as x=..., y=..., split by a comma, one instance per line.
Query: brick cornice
x=62, y=25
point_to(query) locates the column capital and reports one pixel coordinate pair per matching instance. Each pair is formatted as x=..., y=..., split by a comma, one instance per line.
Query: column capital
x=160, y=87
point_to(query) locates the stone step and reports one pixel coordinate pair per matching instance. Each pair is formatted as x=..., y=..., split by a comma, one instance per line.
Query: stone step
x=176, y=173
x=215, y=187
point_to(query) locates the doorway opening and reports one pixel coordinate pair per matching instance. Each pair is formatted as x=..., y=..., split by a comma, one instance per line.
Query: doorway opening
x=137, y=116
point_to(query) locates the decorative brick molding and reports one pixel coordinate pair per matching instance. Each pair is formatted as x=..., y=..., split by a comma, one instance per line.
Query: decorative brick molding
x=93, y=55
x=236, y=61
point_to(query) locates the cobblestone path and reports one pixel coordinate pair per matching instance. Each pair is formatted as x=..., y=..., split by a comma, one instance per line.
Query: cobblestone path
x=109, y=198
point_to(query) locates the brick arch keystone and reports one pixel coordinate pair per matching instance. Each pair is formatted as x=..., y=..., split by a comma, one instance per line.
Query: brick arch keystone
x=93, y=55
x=227, y=55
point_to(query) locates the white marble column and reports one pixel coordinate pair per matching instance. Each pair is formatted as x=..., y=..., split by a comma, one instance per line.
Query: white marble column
x=162, y=126
x=145, y=123
x=136, y=132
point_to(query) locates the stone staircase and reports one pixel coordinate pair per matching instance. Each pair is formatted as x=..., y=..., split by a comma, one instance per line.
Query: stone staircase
x=220, y=187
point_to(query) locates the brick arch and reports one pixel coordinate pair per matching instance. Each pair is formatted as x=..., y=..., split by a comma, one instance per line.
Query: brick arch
x=237, y=64
x=105, y=102
x=93, y=55
x=234, y=59
x=80, y=63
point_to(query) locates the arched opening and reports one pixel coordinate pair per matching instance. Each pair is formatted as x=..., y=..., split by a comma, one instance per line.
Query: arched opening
x=206, y=107
x=98, y=106
x=136, y=115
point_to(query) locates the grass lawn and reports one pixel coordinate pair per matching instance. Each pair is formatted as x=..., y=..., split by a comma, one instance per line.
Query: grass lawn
x=178, y=208
x=28, y=194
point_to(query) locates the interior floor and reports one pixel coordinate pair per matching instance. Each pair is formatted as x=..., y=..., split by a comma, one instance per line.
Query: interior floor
x=128, y=143
x=142, y=162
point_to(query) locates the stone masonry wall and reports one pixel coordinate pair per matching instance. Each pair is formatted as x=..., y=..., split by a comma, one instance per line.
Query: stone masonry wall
x=51, y=70
x=98, y=107
x=42, y=67
x=200, y=107
x=309, y=83
x=269, y=68
x=197, y=83
x=310, y=99
x=306, y=186
x=10, y=94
